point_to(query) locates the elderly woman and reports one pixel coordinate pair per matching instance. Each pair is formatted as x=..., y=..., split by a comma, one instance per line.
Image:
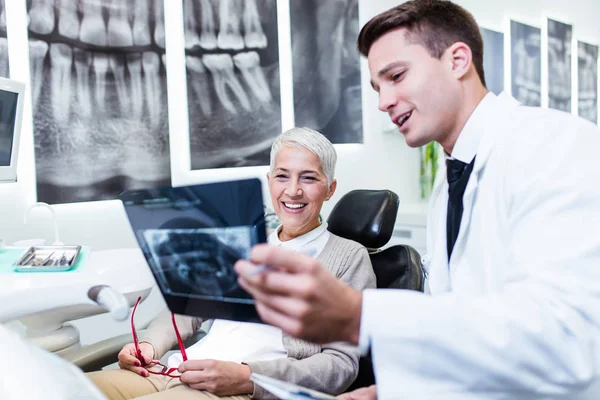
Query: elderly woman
x=301, y=178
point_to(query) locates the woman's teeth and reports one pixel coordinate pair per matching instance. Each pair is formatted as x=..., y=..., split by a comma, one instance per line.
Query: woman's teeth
x=294, y=206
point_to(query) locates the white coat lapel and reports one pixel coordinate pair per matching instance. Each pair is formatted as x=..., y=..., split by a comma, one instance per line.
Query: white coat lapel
x=437, y=257
x=484, y=150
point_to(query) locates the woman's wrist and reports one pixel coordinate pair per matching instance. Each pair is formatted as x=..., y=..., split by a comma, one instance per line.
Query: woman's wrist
x=152, y=347
x=247, y=386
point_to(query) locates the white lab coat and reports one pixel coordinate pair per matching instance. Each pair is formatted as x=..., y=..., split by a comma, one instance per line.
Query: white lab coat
x=516, y=314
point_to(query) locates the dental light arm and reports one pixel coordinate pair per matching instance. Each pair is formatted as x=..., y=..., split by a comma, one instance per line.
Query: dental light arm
x=57, y=242
x=114, y=301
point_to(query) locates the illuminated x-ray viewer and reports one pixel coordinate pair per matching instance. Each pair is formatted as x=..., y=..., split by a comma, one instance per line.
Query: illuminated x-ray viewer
x=11, y=114
x=192, y=236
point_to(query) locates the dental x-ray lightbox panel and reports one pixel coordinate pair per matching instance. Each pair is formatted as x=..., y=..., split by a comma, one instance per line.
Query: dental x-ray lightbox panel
x=12, y=95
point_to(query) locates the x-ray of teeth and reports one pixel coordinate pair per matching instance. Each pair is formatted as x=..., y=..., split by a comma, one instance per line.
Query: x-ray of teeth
x=526, y=66
x=493, y=60
x=4, y=70
x=200, y=261
x=99, y=97
x=587, y=73
x=326, y=68
x=559, y=65
x=232, y=65
x=8, y=110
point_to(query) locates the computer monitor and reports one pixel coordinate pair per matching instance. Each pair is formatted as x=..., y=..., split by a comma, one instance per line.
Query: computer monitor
x=12, y=94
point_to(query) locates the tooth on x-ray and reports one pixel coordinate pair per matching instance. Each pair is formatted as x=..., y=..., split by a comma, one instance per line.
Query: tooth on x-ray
x=230, y=36
x=4, y=60
x=134, y=65
x=159, y=19
x=117, y=66
x=119, y=30
x=191, y=29
x=151, y=65
x=208, y=36
x=249, y=64
x=93, y=28
x=141, y=26
x=253, y=32
x=61, y=57
x=3, y=19
x=83, y=62
x=68, y=21
x=221, y=70
x=587, y=63
x=199, y=83
x=100, y=63
x=41, y=16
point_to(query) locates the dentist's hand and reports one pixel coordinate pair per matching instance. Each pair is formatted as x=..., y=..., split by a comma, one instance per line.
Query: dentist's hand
x=368, y=393
x=300, y=296
x=128, y=360
x=221, y=378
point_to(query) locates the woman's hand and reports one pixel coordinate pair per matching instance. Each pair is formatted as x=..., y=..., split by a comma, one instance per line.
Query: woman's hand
x=128, y=358
x=368, y=393
x=221, y=378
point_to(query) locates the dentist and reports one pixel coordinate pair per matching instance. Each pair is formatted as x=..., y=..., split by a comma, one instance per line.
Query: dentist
x=513, y=235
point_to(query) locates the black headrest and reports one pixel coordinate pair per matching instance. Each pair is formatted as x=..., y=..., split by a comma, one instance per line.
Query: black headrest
x=365, y=216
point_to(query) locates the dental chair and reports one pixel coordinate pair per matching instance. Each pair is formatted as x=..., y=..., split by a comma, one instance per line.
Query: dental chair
x=365, y=216
x=368, y=217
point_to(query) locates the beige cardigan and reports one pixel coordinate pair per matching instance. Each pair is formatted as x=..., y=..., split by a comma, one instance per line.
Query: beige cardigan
x=329, y=368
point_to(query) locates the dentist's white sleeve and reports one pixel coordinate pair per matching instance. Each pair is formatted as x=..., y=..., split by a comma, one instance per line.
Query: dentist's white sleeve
x=522, y=344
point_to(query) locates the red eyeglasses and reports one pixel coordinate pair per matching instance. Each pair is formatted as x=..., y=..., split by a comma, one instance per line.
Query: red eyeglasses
x=154, y=363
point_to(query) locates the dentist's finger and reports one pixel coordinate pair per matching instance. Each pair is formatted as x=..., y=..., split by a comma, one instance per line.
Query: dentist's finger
x=282, y=304
x=282, y=259
x=288, y=324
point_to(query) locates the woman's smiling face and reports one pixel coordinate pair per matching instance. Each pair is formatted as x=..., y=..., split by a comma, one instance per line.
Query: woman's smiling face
x=298, y=188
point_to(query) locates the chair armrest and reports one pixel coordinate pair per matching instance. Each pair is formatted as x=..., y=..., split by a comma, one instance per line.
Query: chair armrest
x=98, y=355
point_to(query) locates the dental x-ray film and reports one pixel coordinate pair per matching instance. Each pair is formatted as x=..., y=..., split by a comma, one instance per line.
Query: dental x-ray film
x=191, y=238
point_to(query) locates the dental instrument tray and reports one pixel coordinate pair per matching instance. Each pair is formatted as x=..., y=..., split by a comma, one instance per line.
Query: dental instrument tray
x=48, y=258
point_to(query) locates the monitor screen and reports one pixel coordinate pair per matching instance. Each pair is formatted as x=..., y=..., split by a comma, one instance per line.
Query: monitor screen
x=8, y=112
x=191, y=237
x=12, y=95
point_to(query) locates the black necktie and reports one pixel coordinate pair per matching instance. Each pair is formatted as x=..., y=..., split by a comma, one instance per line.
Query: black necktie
x=458, y=176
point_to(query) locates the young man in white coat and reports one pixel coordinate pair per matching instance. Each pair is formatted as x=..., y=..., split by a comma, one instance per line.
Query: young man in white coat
x=513, y=309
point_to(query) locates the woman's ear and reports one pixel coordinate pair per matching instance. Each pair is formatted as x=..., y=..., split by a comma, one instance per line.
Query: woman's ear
x=331, y=190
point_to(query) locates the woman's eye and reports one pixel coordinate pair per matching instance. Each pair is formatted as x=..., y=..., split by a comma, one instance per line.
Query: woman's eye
x=281, y=176
x=309, y=178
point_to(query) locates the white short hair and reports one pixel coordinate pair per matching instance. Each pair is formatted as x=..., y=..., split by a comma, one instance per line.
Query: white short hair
x=311, y=140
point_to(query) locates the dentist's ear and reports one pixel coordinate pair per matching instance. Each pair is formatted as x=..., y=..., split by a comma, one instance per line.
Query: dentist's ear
x=460, y=59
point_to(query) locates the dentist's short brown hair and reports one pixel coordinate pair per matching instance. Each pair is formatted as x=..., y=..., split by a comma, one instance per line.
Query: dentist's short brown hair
x=434, y=24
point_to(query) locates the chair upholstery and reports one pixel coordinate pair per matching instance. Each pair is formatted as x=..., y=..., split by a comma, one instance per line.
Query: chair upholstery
x=368, y=217
x=365, y=216
x=398, y=267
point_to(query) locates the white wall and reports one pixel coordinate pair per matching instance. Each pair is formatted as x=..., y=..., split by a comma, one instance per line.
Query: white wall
x=383, y=161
